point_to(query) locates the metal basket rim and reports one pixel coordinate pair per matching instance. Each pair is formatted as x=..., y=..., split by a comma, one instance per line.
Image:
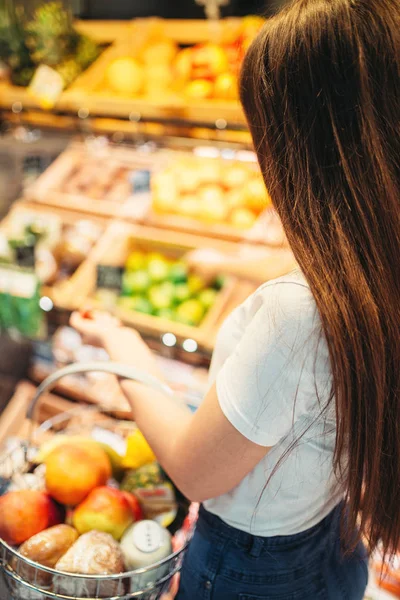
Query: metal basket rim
x=112, y=576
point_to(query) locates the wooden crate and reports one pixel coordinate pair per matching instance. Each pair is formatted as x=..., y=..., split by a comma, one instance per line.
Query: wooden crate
x=13, y=422
x=219, y=230
x=88, y=89
x=60, y=293
x=48, y=189
x=114, y=249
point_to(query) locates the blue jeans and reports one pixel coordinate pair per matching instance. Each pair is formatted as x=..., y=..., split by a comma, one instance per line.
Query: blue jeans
x=223, y=563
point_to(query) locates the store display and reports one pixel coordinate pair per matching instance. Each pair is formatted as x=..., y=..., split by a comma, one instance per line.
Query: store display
x=43, y=34
x=155, y=284
x=46, y=245
x=96, y=178
x=210, y=193
x=152, y=61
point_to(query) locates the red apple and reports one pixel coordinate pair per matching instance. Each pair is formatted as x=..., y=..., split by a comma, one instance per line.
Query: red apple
x=25, y=513
x=105, y=509
x=134, y=503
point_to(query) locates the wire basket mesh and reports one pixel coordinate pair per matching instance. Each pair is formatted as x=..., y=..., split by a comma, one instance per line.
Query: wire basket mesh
x=23, y=579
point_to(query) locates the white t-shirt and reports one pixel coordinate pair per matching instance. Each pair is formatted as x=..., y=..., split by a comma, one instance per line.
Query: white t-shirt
x=273, y=379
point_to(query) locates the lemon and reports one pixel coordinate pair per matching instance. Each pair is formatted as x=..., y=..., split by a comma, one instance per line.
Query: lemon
x=190, y=312
x=138, y=451
x=207, y=297
x=125, y=76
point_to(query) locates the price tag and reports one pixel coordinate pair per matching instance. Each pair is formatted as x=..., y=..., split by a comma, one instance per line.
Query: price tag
x=18, y=283
x=109, y=278
x=25, y=256
x=46, y=86
x=140, y=181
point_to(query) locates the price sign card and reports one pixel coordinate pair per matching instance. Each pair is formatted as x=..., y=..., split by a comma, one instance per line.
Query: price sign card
x=109, y=278
x=46, y=86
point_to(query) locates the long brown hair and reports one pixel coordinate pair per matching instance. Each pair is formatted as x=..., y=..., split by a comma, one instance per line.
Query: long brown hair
x=321, y=90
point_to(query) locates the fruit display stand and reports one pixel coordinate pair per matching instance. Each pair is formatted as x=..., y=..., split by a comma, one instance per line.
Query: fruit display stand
x=26, y=579
x=113, y=250
x=160, y=103
x=77, y=182
x=223, y=197
x=26, y=212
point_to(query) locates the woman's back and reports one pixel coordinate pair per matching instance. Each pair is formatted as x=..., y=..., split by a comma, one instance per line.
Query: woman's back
x=271, y=365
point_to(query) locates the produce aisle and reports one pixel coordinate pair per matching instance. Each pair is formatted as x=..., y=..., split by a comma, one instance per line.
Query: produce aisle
x=129, y=186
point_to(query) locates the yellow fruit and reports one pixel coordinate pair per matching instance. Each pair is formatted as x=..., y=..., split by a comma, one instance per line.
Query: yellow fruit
x=234, y=176
x=199, y=89
x=209, y=171
x=242, y=218
x=61, y=440
x=158, y=78
x=162, y=53
x=210, y=59
x=188, y=179
x=189, y=206
x=183, y=64
x=213, y=204
x=256, y=197
x=234, y=199
x=125, y=76
x=138, y=451
x=226, y=87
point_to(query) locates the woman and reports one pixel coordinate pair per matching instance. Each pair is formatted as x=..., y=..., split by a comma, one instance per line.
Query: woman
x=295, y=451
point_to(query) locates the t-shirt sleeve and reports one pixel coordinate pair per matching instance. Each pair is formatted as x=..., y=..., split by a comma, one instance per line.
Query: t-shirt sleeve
x=272, y=377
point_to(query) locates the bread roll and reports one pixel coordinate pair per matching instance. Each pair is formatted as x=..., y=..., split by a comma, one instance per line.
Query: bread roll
x=94, y=553
x=46, y=548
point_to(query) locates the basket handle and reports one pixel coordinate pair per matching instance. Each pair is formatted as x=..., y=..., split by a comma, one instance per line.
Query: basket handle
x=121, y=370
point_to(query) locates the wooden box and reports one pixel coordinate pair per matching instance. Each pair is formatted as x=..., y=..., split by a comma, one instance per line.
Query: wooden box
x=192, y=175
x=94, y=179
x=59, y=292
x=89, y=90
x=114, y=249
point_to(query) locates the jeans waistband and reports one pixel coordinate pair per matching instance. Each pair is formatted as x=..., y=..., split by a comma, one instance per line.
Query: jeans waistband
x=246, y=539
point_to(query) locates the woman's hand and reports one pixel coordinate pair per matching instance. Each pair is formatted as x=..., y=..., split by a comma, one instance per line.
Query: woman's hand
x=122, y=344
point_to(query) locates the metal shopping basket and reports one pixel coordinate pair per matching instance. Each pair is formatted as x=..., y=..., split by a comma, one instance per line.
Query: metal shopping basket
x=24, y=579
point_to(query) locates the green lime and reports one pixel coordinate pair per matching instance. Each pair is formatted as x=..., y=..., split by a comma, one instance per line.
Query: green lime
x=191, y=312
x=135, y=282
x=182, y=292
x=162, y=296
x=144, y=306
x=136, y=303
x=166, y=313
x=178, y=273
x=196, y=284
x=207, y=297
x=158, y=269
x=136, y=261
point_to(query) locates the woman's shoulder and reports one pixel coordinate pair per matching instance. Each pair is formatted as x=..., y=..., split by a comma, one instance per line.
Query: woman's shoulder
x=285, y=298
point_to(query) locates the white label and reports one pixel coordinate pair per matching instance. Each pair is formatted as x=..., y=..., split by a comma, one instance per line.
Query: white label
x=19, y=284
x=147, y=536
x=46, y=86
